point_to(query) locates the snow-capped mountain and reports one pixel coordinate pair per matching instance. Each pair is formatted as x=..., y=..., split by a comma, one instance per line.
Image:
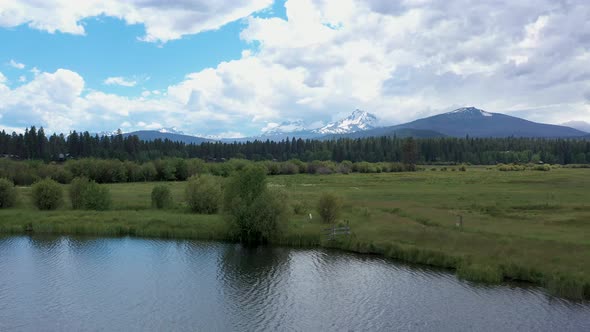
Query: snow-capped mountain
x=109, y=133
x=474, y=122
x=357, y=121
x=171, y=130
x=285, y=127
x=469, y=112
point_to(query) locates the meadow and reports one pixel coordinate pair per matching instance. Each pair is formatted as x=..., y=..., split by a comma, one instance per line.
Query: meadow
x=522, y=225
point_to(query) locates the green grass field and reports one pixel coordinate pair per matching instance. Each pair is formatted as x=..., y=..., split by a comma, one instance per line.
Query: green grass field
x=529, y=225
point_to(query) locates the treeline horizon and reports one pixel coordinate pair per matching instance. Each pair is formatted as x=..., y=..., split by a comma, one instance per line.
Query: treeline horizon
x=35, y=145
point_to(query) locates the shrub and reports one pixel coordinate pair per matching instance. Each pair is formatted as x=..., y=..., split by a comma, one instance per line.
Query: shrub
x=76, y=189
x=256, y=211
x=161, y=197
x=181, y=169
x=329, y=207
x=345, y=167
x=203, y=194
x=302, y=167
x=165, y=169
x=196, y=166
x=510, y=168
x=272, y=168
x=148, y=172
x=300, y=208
x=543, y=168
x=96, y=197
x=8, y=194
x=47, y=194
x=55, y=172
x=289, y=168
x=89, y=195
x=134, y=172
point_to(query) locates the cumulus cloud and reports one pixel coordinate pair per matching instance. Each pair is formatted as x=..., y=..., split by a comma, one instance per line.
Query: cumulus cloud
x=163, y=20
x=118, y=80
x=400, y=60
x=16, y=65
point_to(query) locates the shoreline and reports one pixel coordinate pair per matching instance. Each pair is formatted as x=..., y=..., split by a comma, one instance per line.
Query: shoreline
x=463, y=266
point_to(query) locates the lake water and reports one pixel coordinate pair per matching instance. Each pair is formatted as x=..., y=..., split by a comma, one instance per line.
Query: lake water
x=129, y=284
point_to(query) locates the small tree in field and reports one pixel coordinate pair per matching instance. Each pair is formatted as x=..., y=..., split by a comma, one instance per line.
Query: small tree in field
x=257, y=211
x=203, y=194
x=161, y=197
x=329, y=208
x=8, y=194
x=47, y=194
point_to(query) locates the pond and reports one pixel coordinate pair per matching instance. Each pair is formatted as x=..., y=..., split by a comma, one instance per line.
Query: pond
x=131, y=284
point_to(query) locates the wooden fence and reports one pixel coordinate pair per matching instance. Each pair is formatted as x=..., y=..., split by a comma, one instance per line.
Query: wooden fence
x=334, y=231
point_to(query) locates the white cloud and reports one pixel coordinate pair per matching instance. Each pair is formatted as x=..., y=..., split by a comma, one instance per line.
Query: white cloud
x=163, y=20
x=16, y=65
x=399, y=60
x=22, y=79
x=118, y=80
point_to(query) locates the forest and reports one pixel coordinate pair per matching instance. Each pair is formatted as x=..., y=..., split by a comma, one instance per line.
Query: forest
x=34, y=144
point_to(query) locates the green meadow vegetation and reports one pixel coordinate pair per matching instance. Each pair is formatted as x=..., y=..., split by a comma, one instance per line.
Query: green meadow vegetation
x=489, y=224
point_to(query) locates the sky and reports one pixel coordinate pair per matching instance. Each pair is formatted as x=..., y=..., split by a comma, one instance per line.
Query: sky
x=232, y=68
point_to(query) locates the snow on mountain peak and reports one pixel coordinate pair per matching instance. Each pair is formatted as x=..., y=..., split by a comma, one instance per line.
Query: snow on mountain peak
x=171, y=130
x=284, y=127
x=357, y=121
x=471, y=111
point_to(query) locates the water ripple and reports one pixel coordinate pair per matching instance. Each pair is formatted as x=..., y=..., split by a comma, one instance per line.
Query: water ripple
x=61, y=283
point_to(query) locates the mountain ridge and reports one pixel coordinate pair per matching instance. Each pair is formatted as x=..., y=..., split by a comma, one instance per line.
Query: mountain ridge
x=465, y=121
x=474, y=122
x=579, y=125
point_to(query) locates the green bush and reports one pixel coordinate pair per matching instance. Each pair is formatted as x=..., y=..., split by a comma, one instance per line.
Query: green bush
x=89, y=195
x=76, y=189
x=544, y=168
x=329, y=207
x=203, y=194
x=510, y=168
x=96, y=197
x=148, y=172
x=8, y=194
x=300, y=208
x=161, y=197
x=47, y=194
x=257, y=212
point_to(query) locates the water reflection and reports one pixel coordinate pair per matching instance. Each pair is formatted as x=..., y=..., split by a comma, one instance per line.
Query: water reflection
x=71, y=283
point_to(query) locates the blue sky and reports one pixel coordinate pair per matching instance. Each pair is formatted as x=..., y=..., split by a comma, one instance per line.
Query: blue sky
x=238, y=68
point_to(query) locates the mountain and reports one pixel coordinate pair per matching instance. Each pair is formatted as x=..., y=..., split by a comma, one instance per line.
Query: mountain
x=167, y=133
x=389, y=131
x=357, y=121
x=580, y=125
x=286, y=127
x=107, y=133
x=479, y=123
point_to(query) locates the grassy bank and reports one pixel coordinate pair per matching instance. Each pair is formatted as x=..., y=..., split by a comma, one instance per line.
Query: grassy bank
x=529, y=225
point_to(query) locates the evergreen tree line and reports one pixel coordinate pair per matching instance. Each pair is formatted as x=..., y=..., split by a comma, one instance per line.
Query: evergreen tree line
x=35, y=145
